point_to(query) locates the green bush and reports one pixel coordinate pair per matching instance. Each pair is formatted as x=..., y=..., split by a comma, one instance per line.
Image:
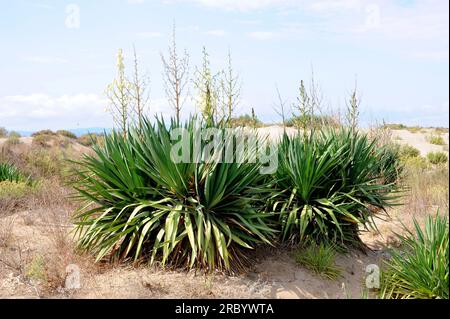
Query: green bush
x=320, y=259
x=66, y=134
x=436, y=140
x=421, y=269
x=437, y=158
x=408, y=151
x=329, y=184
x=9, y=172
x=145, y=206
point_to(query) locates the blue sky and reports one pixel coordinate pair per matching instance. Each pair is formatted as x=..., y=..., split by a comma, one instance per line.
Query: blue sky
x=53, y=70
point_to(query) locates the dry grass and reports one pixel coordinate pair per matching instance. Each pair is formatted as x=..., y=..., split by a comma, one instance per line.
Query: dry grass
x=427, y=192
x=6, y=231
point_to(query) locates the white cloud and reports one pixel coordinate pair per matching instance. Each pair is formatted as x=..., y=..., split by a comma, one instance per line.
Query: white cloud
x=70, y=111
x=43, y=6
x=241, y=5
x=262, y=35
x=39, y=111
x=217, y=33
x=149, y=34
x=45, y=60
x=334, y=5
x=438, y=55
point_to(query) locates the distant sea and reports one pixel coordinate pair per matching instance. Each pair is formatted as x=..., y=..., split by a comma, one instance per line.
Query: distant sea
x=76, y=131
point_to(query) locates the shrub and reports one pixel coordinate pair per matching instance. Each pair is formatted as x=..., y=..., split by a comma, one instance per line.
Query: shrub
x=42, y=140
x=47, y=162
x=312, y=121
x=441, y=130
x=44, y=132
x=414, y=129
x=437, y=158
x=142, y=205
x=415, y=163
x=435, y=139
x=421, y=270
x=408, y=151
x=14, y=134
x=320, y=259
x=395, y=126
x=36, y=269
x=245, y=121
x=13, y=189
x=12, y=140
x=66, y=134
x=90, y=139
x=329, y=184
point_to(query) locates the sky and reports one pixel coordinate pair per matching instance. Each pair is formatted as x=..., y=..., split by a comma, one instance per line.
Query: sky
x=57, y=57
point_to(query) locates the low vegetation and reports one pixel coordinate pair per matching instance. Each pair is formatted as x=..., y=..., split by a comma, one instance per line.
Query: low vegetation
x=67, y=134
x=421, y=268
x=10, y=173
x=319, y=258
x=90, y=139
x=436, y=140
x=407, y=151
x=437, y=158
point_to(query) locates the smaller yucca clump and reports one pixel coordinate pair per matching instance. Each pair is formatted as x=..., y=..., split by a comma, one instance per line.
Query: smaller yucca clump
x=421, y=269
x=330, y=184
x=9, y=172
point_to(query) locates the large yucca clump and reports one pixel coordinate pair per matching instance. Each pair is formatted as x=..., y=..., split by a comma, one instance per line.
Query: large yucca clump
x=421, y=269
x=140, y=204
x=330, y=183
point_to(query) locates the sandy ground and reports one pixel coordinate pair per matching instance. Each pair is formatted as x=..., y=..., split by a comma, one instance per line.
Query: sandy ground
x=419, y=140
x=273, y=275
x=276, y=276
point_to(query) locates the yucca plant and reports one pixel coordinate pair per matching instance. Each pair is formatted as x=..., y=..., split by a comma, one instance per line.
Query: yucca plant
x=10, y=173
x=329, y=184
x=140, y=204
x=421, y=268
